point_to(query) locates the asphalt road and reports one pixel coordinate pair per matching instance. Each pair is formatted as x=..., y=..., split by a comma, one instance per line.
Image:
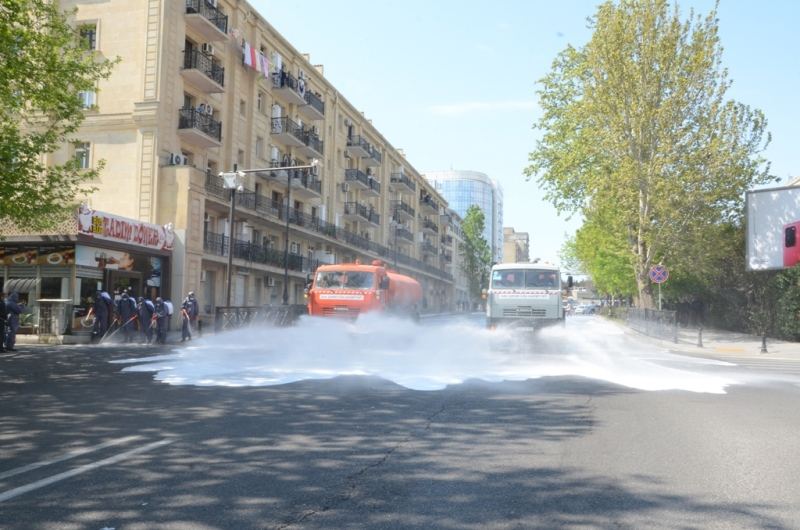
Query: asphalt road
x=85, y=446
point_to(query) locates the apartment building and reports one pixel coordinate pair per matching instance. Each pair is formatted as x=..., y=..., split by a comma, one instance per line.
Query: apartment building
x=516, y=246
x=205, y=86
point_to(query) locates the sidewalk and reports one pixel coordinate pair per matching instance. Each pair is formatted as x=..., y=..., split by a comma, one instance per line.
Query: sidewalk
x=723, y=343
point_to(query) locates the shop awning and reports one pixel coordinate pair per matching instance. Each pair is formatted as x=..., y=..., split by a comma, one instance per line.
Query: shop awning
x=21, y=285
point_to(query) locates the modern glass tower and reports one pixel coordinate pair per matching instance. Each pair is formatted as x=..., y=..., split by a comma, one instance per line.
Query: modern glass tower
x=462, y=189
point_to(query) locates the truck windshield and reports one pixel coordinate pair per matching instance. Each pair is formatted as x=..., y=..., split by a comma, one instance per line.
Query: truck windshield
x=524, y=278
x=345, y=280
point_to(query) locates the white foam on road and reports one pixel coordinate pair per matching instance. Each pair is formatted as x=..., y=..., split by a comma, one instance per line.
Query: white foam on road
x=430, y=357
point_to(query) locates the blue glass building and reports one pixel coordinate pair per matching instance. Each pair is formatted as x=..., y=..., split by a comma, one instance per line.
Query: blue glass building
x=462, y=189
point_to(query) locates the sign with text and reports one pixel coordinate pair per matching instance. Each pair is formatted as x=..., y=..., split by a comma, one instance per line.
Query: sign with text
x=110, y=227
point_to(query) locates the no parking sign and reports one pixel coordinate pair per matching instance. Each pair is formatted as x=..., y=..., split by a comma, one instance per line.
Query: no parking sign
x=659, y=274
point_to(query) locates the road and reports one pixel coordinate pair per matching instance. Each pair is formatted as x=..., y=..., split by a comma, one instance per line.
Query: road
x=85, y=445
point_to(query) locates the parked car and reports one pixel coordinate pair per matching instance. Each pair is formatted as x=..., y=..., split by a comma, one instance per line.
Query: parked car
x=586, y=309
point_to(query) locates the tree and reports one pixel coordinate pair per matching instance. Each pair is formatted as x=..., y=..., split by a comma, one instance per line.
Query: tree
x=44, y=65
x=476, y=254
x=637, y=132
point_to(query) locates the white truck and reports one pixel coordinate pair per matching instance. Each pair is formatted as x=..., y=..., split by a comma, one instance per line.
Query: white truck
x=524, y=294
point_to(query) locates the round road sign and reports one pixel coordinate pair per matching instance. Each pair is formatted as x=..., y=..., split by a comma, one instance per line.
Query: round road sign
x=659, y=273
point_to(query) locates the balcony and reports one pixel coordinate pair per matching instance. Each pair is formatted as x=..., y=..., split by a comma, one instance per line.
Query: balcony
x=360, y=180
x=289, y=88
x=447, y=240
x=203, y=72
x=428, y=248
x=314, y=109
x=428, y=204
x=429, y=227
x=359, y=147
x=401, y=183
x=307, y=185
x=361, y=212
x=199, y=129
x=374, y=158
x=287, y=132
x=312, y=145
x=404, y=236
x=402, y=211
x=209, y=21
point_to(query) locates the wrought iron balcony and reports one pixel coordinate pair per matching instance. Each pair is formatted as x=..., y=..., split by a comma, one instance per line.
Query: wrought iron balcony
x=289, y=88
x=403, y=210
x=428, y=203
x=362, y=212
x=312, y=146
x=314, y=109
x=404, y=233
x=447, y=239
x=428, y=247
x=359, y=147
x=401, y=183
x=429, y=226
x=362, y=181
x=287, y=131
x=203, y=71
x=207, y=19
x=374, y=158
x=199, y=128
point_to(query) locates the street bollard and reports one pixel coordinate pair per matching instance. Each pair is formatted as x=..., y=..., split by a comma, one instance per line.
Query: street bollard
x=700, y=337
x=764, y=343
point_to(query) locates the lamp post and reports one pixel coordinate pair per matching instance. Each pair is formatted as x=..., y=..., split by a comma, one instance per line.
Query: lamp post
x=232, y=181
x=240, y=173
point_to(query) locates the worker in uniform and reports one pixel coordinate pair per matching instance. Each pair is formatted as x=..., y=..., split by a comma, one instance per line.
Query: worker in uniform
x=126, y=308
x=189, y=312
x=161, y=317
x=146, y=311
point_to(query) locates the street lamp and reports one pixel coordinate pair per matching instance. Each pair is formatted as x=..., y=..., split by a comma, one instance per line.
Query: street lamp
x=314, y=163
x=233, y=181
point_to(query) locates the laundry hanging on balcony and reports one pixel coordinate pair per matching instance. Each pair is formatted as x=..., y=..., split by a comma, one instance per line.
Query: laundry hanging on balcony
x=254, y=59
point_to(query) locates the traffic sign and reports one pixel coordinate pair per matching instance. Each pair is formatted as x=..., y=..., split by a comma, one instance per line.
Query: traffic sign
x=659, y=273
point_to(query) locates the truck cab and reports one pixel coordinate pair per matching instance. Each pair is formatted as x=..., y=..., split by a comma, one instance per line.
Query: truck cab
x=524, y=294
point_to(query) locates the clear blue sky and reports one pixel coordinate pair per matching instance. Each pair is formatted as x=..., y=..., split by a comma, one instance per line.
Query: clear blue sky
x=453, y=82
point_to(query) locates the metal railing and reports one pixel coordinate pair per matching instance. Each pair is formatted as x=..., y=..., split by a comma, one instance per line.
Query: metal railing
x=208, y=11
x=430, y=225
x=369, y=181
x=655, y=323
x=363, y=211
x=427, y=200
x=200, y=61
x=315, y=102
x=400, y=206
x=400, y=178
x=359, y=141
x=429, y=247
x=193, y=119
x=312, y=140
x=284, y=79
x=285, y=125
x=218, y=243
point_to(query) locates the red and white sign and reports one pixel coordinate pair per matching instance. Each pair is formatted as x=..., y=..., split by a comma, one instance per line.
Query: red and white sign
x=341, y=296
x=110, y=227
x=513, y=293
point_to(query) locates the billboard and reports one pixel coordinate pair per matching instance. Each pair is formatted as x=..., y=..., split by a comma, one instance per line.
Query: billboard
x=773, y=228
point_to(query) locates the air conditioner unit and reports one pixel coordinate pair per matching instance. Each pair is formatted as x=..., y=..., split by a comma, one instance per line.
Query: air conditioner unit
x=209, y=110
x=270, y=281
x=176, y=159
x=294, y=248
x=207, y=48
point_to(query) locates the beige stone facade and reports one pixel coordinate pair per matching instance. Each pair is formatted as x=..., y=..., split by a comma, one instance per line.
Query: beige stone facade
x=515, y=246
x=181, y=106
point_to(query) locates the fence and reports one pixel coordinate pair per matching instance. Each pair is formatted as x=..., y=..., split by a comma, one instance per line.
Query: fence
x=661, y=324
x=227, y=318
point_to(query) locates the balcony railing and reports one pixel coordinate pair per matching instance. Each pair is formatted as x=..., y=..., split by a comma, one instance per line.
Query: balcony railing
x=403, y=180
x=367, y=181
x=249, y=199
x=316, y=103
x=430, y=225
x=428, y=247
x=219, y=245
x=283, y=126
x=425, y=199
x=402, y=208
x=205, y=123
x=208, y=11
x=195, y=59
x=313, y=141
x=363, y=211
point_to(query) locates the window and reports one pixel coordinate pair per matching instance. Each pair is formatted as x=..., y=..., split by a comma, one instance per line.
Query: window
x=259, y=147
x=82, y=154
x=260, y=101
x=240, y=158
x=87, y=98
x=88, y=35
x=242, y=107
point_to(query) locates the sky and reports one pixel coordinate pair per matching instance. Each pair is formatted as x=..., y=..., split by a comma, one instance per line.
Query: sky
x=453, y=83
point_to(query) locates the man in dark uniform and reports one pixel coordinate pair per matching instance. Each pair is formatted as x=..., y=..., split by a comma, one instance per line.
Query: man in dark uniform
x=14, y=308
x=126, y=308
x=3, y=314
x=189, y=312
x=161, y=321
x=101, y=315
x=146, y=311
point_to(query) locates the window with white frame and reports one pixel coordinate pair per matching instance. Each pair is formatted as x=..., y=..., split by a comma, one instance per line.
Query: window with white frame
x=82, y=154
x=260, y=101
x=88, y=98
x=259, y=147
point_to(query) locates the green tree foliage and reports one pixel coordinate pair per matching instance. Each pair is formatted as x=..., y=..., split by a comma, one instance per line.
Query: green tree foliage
x=476, y=254
x=639, y=137
x=43, y=66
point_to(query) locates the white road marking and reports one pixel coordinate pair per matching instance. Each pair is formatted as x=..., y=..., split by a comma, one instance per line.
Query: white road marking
x=67, y=456
x=10, y=494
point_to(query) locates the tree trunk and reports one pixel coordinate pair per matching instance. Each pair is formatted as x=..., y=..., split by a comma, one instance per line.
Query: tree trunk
x=643, y=286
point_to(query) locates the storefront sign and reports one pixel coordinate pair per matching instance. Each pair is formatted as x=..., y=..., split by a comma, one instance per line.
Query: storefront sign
x=20, y=256
x=103, y=225
x=56, y=256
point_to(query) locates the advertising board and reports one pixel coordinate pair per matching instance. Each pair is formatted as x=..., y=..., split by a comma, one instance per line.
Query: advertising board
x=773, y=228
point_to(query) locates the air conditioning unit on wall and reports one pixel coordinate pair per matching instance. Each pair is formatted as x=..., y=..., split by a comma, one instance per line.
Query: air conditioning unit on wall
x=177, y=159
x=207, y=48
